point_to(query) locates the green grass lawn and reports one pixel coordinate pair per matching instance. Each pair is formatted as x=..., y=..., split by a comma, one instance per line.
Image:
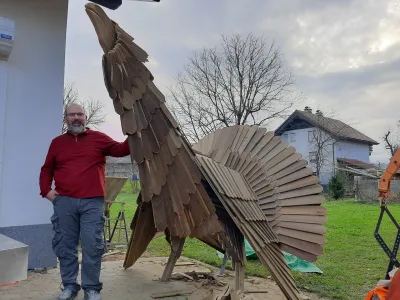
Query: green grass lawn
x=353, y=261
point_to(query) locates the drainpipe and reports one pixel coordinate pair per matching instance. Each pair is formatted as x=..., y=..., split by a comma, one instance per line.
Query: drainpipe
x=333, y=157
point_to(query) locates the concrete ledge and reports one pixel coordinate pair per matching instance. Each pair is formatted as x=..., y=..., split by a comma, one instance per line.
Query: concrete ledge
x=38, y=238
x=13, y=260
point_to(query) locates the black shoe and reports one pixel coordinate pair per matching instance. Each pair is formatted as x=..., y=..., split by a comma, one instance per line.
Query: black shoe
x=67, y=294
x=92, y=295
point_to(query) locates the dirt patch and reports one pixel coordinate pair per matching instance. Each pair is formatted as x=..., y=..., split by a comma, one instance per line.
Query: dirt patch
x=114, y=257
x=143, y=279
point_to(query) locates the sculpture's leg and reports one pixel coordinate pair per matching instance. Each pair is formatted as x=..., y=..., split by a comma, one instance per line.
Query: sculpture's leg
x=224, y=261
x=239, y=277
x=176, y=250
x=239, y=270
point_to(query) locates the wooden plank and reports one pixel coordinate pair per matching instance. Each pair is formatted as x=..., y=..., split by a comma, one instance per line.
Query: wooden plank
x=298, y=184
x=306, y=227
x=176, y=250
x=239, y=276
x=171, y=293
x=113, y=187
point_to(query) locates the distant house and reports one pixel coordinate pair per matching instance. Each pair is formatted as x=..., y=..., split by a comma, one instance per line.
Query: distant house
x=121, y=167
x=326, y=143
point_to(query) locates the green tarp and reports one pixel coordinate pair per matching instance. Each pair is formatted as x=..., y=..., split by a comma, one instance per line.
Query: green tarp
x=294, y=263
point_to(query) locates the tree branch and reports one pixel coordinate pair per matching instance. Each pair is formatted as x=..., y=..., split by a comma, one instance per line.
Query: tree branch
x=93, y=108
x=244, y=81
x=390, y=144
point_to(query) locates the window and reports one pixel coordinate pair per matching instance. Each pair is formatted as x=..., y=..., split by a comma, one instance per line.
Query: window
x=292, y=137
x=312, y=157
x=310, y=135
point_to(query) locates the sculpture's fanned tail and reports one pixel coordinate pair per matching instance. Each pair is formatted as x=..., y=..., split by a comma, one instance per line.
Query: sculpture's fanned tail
x=288, y=193
x=241, y=203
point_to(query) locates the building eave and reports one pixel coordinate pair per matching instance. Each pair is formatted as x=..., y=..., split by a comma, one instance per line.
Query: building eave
x=297, y=114
x=343, y=138
x=281, y=129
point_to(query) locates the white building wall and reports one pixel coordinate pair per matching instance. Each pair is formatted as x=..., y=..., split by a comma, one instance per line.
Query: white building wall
x=32, y=97
x=300, y=139
x=352, y=150
x=334, y=149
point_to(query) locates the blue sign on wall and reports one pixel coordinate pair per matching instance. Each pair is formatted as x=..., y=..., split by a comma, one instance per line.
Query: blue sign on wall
x=5, y=36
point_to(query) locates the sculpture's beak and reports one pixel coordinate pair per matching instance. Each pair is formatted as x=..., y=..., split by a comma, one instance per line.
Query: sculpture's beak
x=103, y=25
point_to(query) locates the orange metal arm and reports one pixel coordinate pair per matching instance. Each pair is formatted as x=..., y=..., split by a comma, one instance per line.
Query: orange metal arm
x=384, y=181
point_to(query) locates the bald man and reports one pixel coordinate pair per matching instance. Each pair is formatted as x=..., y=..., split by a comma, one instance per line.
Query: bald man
x=76, y=162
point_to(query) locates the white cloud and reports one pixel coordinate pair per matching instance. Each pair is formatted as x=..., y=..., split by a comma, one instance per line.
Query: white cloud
x=153, y=62
x=345, y=55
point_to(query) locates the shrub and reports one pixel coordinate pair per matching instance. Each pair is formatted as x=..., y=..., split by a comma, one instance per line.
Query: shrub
x=336, y=187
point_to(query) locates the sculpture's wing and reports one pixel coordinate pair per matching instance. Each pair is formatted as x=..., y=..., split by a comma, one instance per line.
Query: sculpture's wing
x=143, y=231
x=170, y=180
x=288, y=193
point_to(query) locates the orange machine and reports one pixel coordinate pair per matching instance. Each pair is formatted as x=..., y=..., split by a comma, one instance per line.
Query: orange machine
x=386, y=289
x=384, y=181
x=390, y=290
x=383, y=195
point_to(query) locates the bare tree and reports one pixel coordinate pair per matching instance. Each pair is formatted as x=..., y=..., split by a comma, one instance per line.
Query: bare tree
x=323, y=142
x=392, y=143
x=93, y=108
x=244, y=82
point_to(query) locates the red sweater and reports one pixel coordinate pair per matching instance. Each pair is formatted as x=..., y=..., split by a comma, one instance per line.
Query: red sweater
x=77, y=164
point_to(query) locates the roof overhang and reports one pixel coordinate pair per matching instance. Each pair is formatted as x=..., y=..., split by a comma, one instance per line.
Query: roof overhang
x=296, y=115
x=278, y=131
x=114, y=4
x=293, y=117
x=356, y=163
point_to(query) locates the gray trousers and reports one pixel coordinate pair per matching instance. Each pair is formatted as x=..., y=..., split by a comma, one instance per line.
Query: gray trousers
x=73, y=220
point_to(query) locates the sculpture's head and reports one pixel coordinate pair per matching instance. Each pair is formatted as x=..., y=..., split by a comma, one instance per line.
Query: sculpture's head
x=103, y=25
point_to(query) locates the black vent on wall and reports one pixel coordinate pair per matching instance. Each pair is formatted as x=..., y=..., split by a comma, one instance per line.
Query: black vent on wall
x=114, y=4
x=111, y=4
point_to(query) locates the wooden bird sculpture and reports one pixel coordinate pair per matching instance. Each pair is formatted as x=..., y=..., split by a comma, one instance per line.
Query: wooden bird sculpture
x=239, y=182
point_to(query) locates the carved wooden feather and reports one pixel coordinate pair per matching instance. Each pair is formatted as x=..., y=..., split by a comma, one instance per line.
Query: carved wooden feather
x=287, y=192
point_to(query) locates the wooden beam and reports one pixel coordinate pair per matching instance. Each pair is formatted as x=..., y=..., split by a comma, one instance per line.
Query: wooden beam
x=239, y=276
x=176, y=251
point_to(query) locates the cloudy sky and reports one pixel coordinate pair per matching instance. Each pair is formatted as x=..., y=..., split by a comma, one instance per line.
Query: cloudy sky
x=345, y=55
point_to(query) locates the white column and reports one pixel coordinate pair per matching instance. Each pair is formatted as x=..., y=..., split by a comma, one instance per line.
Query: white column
x=3, y=102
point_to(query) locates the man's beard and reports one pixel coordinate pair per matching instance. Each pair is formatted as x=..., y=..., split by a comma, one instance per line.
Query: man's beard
x=76, y=128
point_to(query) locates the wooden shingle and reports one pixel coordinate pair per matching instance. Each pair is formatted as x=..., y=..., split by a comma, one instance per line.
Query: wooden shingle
x=282, y=182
